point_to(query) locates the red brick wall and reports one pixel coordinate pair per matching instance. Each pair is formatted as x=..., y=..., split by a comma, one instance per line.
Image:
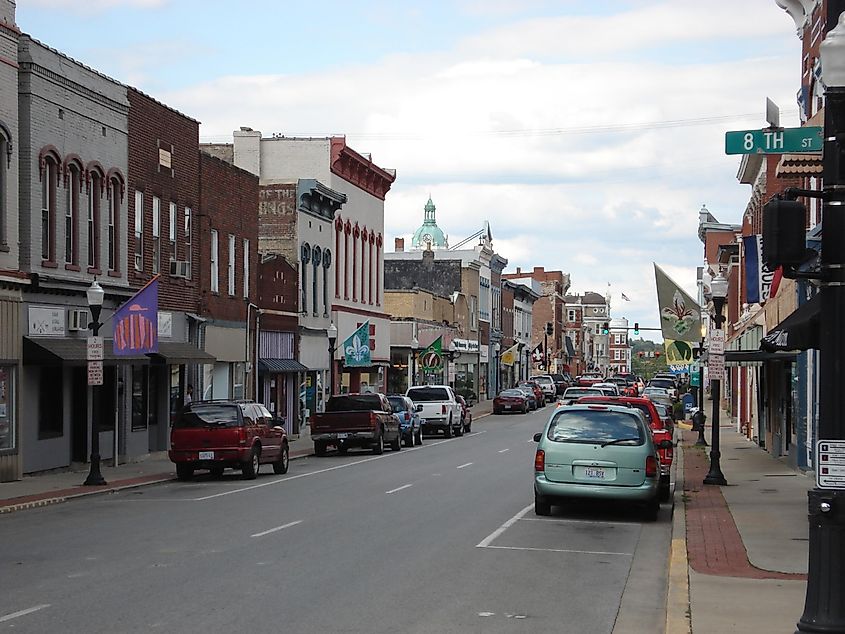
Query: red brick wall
x=229, y=204
x=153, y=126
x=278, y=291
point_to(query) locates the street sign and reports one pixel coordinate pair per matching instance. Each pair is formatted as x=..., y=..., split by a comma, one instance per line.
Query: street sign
x=95, y=373
x=830, y=464
x=774, y=140
x=717, y=342
x=95, y=348
x=716, y=366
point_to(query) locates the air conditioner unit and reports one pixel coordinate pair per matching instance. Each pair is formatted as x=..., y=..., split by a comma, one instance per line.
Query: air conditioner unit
x=77, y=319
x=180, y=268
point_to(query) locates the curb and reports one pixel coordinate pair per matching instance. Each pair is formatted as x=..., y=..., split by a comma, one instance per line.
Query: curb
x=678, y=607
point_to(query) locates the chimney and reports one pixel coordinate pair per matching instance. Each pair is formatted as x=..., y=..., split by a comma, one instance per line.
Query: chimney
x=518, y=270
x=399, y=245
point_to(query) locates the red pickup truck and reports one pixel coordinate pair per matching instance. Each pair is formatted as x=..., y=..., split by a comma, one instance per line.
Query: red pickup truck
x=356, y=420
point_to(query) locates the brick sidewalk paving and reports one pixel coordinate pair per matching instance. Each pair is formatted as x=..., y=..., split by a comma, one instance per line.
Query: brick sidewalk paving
x=714, y=544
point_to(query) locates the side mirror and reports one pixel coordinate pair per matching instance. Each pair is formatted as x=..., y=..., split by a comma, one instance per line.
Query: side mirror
x=418, y=408
x=538, y=436
x=666, y=444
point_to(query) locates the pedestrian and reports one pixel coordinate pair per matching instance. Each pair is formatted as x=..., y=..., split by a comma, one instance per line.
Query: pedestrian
x=189, y=394
x=698, y=420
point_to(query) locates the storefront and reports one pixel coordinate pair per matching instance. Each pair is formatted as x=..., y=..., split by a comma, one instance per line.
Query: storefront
x=10, y=355
x=226, y=377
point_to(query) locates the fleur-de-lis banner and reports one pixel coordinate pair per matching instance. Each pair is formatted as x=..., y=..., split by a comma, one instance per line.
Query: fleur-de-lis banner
x=356, y=349
x=680, y=316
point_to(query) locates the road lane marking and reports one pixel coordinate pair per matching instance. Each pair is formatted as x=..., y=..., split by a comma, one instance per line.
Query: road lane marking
x=404, y=486
x=489, y=539
x=15, y=615
x=559, y=550
x=278, y=528
x=464, y=465
x=504, y=450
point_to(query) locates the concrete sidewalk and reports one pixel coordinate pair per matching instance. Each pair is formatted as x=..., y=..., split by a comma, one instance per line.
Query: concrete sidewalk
x=56, y=487
x=744, y=563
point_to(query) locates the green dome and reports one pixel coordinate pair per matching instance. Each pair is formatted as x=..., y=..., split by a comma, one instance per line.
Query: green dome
x=429, y=232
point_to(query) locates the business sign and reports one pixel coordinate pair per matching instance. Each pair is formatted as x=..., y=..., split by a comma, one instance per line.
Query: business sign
x=774, y=140
x=46, y=322
x=830, y=464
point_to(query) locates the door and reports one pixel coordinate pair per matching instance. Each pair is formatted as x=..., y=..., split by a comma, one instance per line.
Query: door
x=80, y=422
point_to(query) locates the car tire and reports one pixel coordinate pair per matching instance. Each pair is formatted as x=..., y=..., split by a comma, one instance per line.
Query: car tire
x=496, y=412
x=250, y=468
x=409, y=439
x=448, y=431
x=396, y=444
x=418, y=437
x=651, y=510
x=664, y=489
x=525, y=409
x=342, y=448
x=216, y=471
x=378, y=444
x=542, y=506
x=281, y=465
x=184, y=471
x=319, y=447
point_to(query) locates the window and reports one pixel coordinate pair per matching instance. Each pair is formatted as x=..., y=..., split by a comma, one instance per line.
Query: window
x=139, y=231
x=473, y=312
x=7, y=407
x=231, y=275
x=172, y=232
x=139, y=398
x=50, y=418
x=114, y=214
x=49, y=181
x=72, y=214
x=215, y=283
x=188, y=229
x=316, y=259
x=93, y=232
x=4, y=187
x=246, y=268
x=156, y=234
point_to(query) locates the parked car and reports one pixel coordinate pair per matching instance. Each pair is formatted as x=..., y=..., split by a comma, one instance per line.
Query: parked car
x=466, y=414
x=608, y=387
x=669, y=384
x=408, y=415
x=356, y=420
x=572, y=394
x=665, y=413
x=510, y=401
x=441, y=410
x=651, y=390
x=530, y=395
x=217, y=434
x=561, y=383
x=601, y=452
x=547, y=385
x=538, y=391
x=586, y=380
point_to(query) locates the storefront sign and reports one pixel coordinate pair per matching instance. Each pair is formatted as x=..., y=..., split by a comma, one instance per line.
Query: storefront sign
x=46, y=321
x=830, y=459
x=466, y=345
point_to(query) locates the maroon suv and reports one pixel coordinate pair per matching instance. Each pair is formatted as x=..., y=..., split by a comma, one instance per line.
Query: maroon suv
x=214, y=435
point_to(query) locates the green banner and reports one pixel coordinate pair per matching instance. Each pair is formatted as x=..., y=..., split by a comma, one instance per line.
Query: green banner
x=432, y=357
x=356, y=349
x=680, y=316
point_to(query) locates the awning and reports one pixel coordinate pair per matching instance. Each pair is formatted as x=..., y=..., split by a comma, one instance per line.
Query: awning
x=570, y=349
x=799, y=331
x=799, y=164
x=177, y=352
x=280, y=366
x=746, y=357
x=63, y=351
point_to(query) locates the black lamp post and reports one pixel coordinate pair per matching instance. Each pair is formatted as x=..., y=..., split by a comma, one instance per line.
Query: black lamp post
x=415, y=347
x=95, y=296
x=719, y=290
x=824, y=605
x=331, y=333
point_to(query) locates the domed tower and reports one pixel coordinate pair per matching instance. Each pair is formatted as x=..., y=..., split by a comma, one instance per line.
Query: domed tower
x=429, y=235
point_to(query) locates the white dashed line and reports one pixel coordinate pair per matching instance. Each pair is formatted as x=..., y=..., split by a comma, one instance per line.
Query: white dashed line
x=464, y=465
x=404, y=486
x=278, y=528
x=15, y=615
x=504, y=450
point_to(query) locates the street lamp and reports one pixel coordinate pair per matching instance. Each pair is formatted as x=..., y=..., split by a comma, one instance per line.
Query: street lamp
x=415, y=346
x=718, y=291
x=331, y=333
x=95, y=295
x=824, y=605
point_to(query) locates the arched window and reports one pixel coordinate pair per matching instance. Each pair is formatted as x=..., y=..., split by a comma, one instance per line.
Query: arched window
x=316, y=260
x=95, y=197
x=304, y=260
x=73, y=188
x=5, y=163
x=327, y=262
x=49, y=163
x=115, y=194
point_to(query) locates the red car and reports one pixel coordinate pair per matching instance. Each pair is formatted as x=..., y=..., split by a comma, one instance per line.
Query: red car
x=658, y=430
x=216, y=434
x=587, y=381
x=510, y=401
x=538, y=391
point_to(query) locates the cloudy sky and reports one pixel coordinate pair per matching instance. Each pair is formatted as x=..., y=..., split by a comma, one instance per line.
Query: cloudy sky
x=588, y=134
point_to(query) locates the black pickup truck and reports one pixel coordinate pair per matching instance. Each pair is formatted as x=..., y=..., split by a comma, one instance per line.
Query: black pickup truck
x=356, y=420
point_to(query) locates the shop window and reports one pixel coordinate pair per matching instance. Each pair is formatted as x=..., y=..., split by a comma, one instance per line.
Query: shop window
x=238, y=378
x=50, y=410
x=7, y=409
x=139, y=398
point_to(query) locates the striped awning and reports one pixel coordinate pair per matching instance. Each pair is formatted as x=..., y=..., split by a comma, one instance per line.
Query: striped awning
x=799, y=165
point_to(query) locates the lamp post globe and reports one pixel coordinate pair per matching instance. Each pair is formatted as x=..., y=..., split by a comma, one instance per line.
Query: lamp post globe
x=718, y=293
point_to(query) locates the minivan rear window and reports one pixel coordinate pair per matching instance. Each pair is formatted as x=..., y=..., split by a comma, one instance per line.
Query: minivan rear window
x=596, y=427
x=427, y=394
x=208, y=415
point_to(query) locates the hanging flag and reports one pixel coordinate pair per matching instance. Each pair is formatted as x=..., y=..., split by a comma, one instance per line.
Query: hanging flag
x=509, y=356
x=761, y=283
x=135, y=323
x=537, y=353
x=432, y=356
x=680, y=316
x=625, y=297
x=356, y=349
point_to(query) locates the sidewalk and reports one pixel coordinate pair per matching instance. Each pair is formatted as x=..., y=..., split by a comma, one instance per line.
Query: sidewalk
x=742, y=560
x=56, y=487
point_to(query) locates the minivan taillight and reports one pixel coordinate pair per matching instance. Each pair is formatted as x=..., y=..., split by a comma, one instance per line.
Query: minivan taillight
x=540, y=460
x=651, y=467
x=443, y=409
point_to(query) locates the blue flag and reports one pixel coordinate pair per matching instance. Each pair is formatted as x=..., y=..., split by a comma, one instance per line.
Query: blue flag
x=136, y=323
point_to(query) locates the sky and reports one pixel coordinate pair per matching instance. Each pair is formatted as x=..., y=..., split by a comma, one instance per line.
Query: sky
x=588, y=134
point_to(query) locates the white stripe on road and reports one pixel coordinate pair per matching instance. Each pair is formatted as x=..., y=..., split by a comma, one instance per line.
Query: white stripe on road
x=559, y=550
x=464, y=465
x=15, y=615
x=278, y=528
x=489, y=539
x=404, y=486
x=504, y=450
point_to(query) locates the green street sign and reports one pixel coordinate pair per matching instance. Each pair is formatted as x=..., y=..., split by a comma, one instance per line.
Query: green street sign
x=774, y=140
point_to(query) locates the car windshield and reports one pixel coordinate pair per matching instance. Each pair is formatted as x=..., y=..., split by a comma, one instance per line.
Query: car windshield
x=596, y=427
x=356, y=403
x=397, y=403
x=427, y=394
x=208, y=415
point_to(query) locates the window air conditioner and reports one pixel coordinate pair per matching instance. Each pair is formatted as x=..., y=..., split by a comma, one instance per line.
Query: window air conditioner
x=180, y=268
x=77, y=319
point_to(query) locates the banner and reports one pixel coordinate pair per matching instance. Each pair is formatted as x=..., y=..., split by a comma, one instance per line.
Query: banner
x=135, y=323
x=761, y=283
x=680, y=316
x=356, y=349
x=432, y=357
x=537, y=353
x=678, y=353
x=509, y=356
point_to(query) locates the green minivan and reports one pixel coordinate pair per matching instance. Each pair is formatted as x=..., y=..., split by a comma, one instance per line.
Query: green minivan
x=602, y=452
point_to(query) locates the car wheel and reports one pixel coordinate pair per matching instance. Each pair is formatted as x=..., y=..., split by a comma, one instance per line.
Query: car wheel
x=651, y=510
x=282, y=464
x=664, y=490
x=378, y=445
x=184, y=471
x=409, y=439
x=396, y=444
x=419, y=437
x=541, y=506
x=525, y=409
x=448, y=431
x=216, y=470
x=342, y=448
x=250, y=468
x=459, y=430
x=319, y=447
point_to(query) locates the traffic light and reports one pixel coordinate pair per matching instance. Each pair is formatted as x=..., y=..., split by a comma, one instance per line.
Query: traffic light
x=657, y=354
x=636, y=328
x=549, y=328
x=605, y=328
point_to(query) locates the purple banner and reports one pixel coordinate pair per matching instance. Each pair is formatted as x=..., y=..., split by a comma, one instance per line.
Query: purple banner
x=136, y=323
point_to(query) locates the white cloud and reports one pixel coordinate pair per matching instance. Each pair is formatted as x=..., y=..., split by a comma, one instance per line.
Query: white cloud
x=94, y=6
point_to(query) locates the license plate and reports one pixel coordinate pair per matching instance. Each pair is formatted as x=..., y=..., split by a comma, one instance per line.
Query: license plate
x=507, y=406
x=594, y=473
x=341, y=436
x=206, y=455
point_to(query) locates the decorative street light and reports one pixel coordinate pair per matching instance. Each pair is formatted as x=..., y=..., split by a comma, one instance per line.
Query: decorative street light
x=718, y=291
x=95, y=295
x=824, y=606
x=699, y=417
x=331, y=333
x=415, y=347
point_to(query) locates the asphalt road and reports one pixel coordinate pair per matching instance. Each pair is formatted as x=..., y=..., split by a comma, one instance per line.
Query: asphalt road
x=439, y=538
